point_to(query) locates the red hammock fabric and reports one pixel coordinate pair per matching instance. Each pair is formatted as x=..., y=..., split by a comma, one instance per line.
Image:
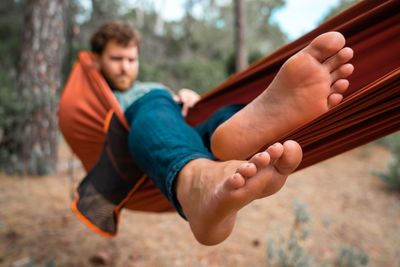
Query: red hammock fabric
x=94, y=126
x=371, y=106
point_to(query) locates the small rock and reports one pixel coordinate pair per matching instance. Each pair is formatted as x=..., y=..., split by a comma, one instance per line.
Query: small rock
x=135, y=256
x=12, y=235
x=102, y=257
x=255, y=243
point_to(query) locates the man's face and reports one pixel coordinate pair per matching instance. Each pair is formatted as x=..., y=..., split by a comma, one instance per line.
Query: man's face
x=119, y=65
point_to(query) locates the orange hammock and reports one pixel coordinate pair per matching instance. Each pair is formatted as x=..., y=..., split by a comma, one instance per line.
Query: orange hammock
x=95, y=128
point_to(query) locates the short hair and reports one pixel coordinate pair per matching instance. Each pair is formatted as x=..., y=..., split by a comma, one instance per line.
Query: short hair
x=120, y=32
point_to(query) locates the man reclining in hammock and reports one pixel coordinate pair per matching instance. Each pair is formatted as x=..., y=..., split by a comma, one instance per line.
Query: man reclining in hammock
x=178, y=158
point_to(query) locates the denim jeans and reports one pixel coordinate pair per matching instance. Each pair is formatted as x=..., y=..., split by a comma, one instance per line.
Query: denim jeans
x=162, y=143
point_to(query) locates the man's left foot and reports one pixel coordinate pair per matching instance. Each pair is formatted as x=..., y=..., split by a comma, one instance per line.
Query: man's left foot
x=211, y=193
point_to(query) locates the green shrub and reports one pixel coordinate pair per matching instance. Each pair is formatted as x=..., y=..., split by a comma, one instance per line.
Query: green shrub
x=391, y=176
x=10, y=106
x=199, y=75
x=149, y=73
x=349, y=257
x=291, y=252
x=230, y=62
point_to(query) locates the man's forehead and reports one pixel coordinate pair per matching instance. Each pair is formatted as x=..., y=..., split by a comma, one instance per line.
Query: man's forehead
x=114, y=47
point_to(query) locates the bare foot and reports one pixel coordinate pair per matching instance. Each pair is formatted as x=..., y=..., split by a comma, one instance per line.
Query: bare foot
x=211, y=193
x=307, y=85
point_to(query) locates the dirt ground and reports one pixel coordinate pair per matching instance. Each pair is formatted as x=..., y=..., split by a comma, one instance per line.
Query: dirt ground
x=348, y=207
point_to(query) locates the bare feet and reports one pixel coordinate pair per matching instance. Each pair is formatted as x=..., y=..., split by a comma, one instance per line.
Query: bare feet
x=211, y=193
x=307, y=85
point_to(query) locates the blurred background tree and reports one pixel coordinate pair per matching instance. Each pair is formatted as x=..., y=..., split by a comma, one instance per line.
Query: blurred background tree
x=240, y=36
x=196, y=51
x=32, y=135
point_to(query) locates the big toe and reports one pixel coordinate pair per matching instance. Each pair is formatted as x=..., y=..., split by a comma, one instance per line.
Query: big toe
x=326, y=45
x=290, y=158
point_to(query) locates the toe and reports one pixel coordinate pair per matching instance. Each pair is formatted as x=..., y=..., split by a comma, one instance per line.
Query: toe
x=342, y=72
x=275, y=151
x=247, y=169
x=334, y=99
x=261, y=160
x=326, y=45
x=340, y=86
x=342, y=57
x=290, y=158
x=235, y=182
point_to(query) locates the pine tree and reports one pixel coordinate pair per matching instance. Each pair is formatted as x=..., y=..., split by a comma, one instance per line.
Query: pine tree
x=38, y=83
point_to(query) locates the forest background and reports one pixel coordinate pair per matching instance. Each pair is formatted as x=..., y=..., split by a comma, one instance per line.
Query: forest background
x=41, y=39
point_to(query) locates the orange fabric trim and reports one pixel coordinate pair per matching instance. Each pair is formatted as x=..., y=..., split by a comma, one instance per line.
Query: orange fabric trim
x=87, y=222
x=126, y=199
x=107, y=120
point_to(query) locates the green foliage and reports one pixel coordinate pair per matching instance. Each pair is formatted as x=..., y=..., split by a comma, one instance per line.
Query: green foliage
x=10, y=104
x=170, y=53
x=291, y=252
x=392, y=142
x=254, y=56
x=150, y=73
x=391, y=176
x=301, y=213
x=199, y=75
x=29, y=262
x=74, y=12
x=11, y=27
x=343, y=5
x=10, y=107
x=349, y=257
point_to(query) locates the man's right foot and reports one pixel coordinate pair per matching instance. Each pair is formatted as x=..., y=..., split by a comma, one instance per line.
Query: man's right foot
x=307, y=85
x=211, y=193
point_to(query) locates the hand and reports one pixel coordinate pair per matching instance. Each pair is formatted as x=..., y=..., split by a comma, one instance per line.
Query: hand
x=188, y=98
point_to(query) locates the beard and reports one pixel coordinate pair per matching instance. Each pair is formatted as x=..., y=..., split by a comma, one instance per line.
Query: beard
x=121, y=82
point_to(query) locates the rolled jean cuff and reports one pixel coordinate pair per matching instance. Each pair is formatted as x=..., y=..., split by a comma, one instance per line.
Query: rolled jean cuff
x=172, y=175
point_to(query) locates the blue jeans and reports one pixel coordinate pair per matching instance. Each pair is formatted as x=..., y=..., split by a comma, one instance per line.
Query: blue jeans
x=162, y=143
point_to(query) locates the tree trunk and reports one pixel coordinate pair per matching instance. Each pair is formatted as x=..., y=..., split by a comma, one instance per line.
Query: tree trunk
x=240, y=36
x=39, y=77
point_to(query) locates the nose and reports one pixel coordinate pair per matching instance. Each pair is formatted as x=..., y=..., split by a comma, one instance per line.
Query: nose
x=125, y=64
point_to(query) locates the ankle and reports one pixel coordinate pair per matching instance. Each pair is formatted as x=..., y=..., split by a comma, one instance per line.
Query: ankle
x=184, y=180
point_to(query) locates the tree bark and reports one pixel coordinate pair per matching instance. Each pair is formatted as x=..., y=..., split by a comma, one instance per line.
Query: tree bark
x=240, y=36
x=39, y=77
